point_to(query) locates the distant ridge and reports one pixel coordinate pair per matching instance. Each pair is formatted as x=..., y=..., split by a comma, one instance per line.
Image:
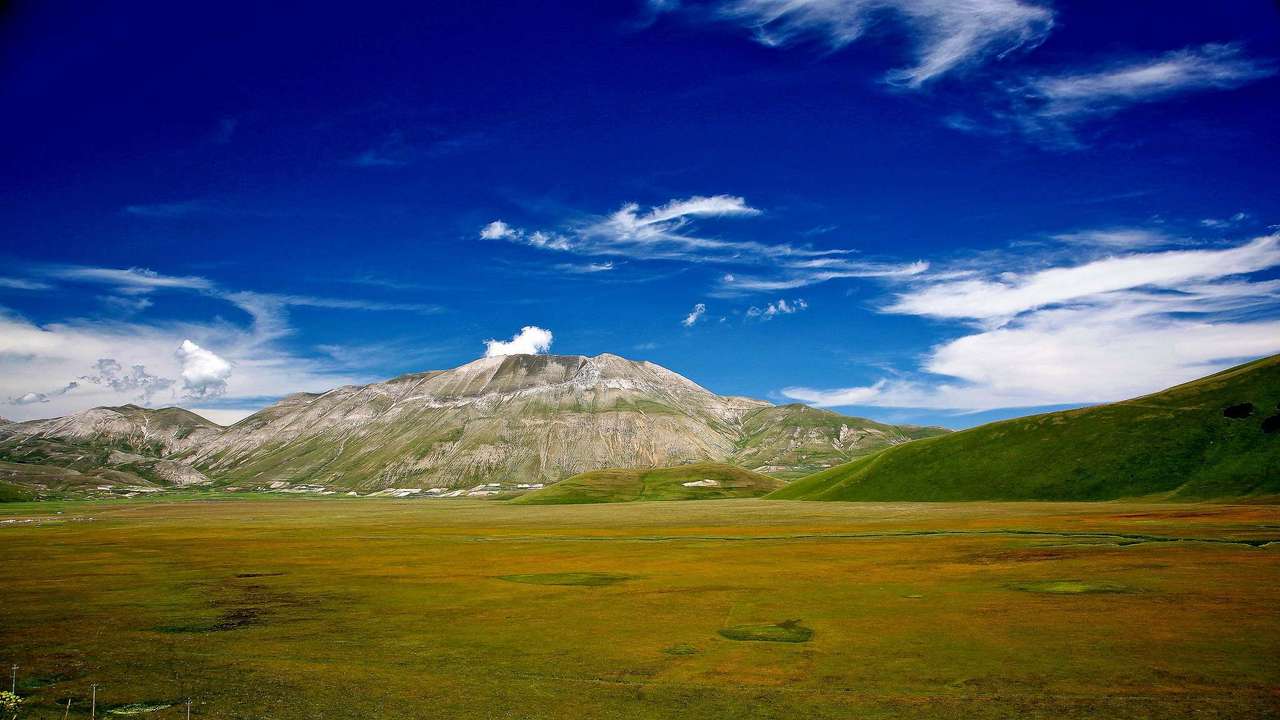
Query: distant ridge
x=1213, y=438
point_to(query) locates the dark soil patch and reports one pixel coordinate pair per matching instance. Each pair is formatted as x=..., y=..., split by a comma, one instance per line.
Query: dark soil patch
x=580, y=579
x=1017, y=556
x=231, y=620
x=1271, y=425
x=788, y=631
x=259, y=574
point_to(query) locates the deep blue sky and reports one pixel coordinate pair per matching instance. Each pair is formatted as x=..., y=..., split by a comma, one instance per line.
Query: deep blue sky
x=331, y=170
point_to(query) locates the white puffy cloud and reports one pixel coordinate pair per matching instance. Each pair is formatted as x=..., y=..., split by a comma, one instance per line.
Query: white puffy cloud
x=946, y=34
x=109, y=372
x=204, y=373
x=1099, y=331
x=531, y=340
x=497, y=230
x=773, y=309
x=694, y=315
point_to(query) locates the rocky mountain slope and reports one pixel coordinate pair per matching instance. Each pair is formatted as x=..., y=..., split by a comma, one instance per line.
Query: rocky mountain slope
x=1213, y=438
x=515, y=418
x=106, y=450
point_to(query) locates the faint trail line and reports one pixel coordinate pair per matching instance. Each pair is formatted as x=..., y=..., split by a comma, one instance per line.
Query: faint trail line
x=1114, y=538
x=870, y=695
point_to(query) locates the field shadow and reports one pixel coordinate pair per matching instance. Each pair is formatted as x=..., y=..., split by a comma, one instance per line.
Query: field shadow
x=787, y=631
x=578, y=579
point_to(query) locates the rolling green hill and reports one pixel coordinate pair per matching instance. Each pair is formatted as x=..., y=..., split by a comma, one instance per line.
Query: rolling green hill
x=792, y=441
x=711, y=480
x=1213, y=438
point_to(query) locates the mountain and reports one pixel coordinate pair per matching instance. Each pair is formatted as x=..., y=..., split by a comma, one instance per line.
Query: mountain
x=700, y=481
x=1214, y=438
x=790, y=441
x=125, y=448
x=510, y=419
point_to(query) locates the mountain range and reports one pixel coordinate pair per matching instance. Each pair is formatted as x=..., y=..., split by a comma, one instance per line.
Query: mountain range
x=617, y=430
x=525, y=419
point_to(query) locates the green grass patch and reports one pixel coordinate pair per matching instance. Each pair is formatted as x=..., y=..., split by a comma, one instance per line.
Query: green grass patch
x=681, y=649
x=1071, y=587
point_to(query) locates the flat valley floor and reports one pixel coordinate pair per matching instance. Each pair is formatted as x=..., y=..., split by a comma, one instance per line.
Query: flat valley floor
x=324, y=608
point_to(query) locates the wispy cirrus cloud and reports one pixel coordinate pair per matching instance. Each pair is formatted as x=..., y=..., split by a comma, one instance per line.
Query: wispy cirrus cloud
x=23, y=284
x=946, y=35
x=672, y=232
x=1225, y=223
x=802, y=273
x=1117, y=238
x=585, y=268
x=167, y=210
x=1050, y=108
x=391, y=152
x=127, y=280
x=1104, y=329
x=396, y=150
x=996, y=299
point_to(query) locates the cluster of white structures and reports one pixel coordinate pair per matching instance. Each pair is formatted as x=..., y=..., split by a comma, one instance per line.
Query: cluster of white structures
x=481, y=490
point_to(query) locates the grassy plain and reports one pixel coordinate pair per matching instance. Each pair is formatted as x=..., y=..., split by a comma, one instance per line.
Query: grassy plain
x=361, y=608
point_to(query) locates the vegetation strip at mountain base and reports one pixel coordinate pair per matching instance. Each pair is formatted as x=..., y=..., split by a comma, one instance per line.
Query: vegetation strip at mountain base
x=364, y=607
x=699, y=481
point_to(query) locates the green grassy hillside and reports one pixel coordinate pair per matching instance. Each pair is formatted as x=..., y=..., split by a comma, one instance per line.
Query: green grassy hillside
x=792, y=441
x=1182, y=443
x=609, y=486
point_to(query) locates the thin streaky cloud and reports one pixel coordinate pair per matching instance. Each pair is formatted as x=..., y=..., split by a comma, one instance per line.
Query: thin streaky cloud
x=670, y=232
x=992, y=299
x=166, y=210
x=1096, y=331
x=135, y=279
x=946, y=35
x=1050, y=107
x=23, y=284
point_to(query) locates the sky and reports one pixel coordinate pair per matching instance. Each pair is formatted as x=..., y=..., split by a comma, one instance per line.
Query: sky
x=935, y=211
